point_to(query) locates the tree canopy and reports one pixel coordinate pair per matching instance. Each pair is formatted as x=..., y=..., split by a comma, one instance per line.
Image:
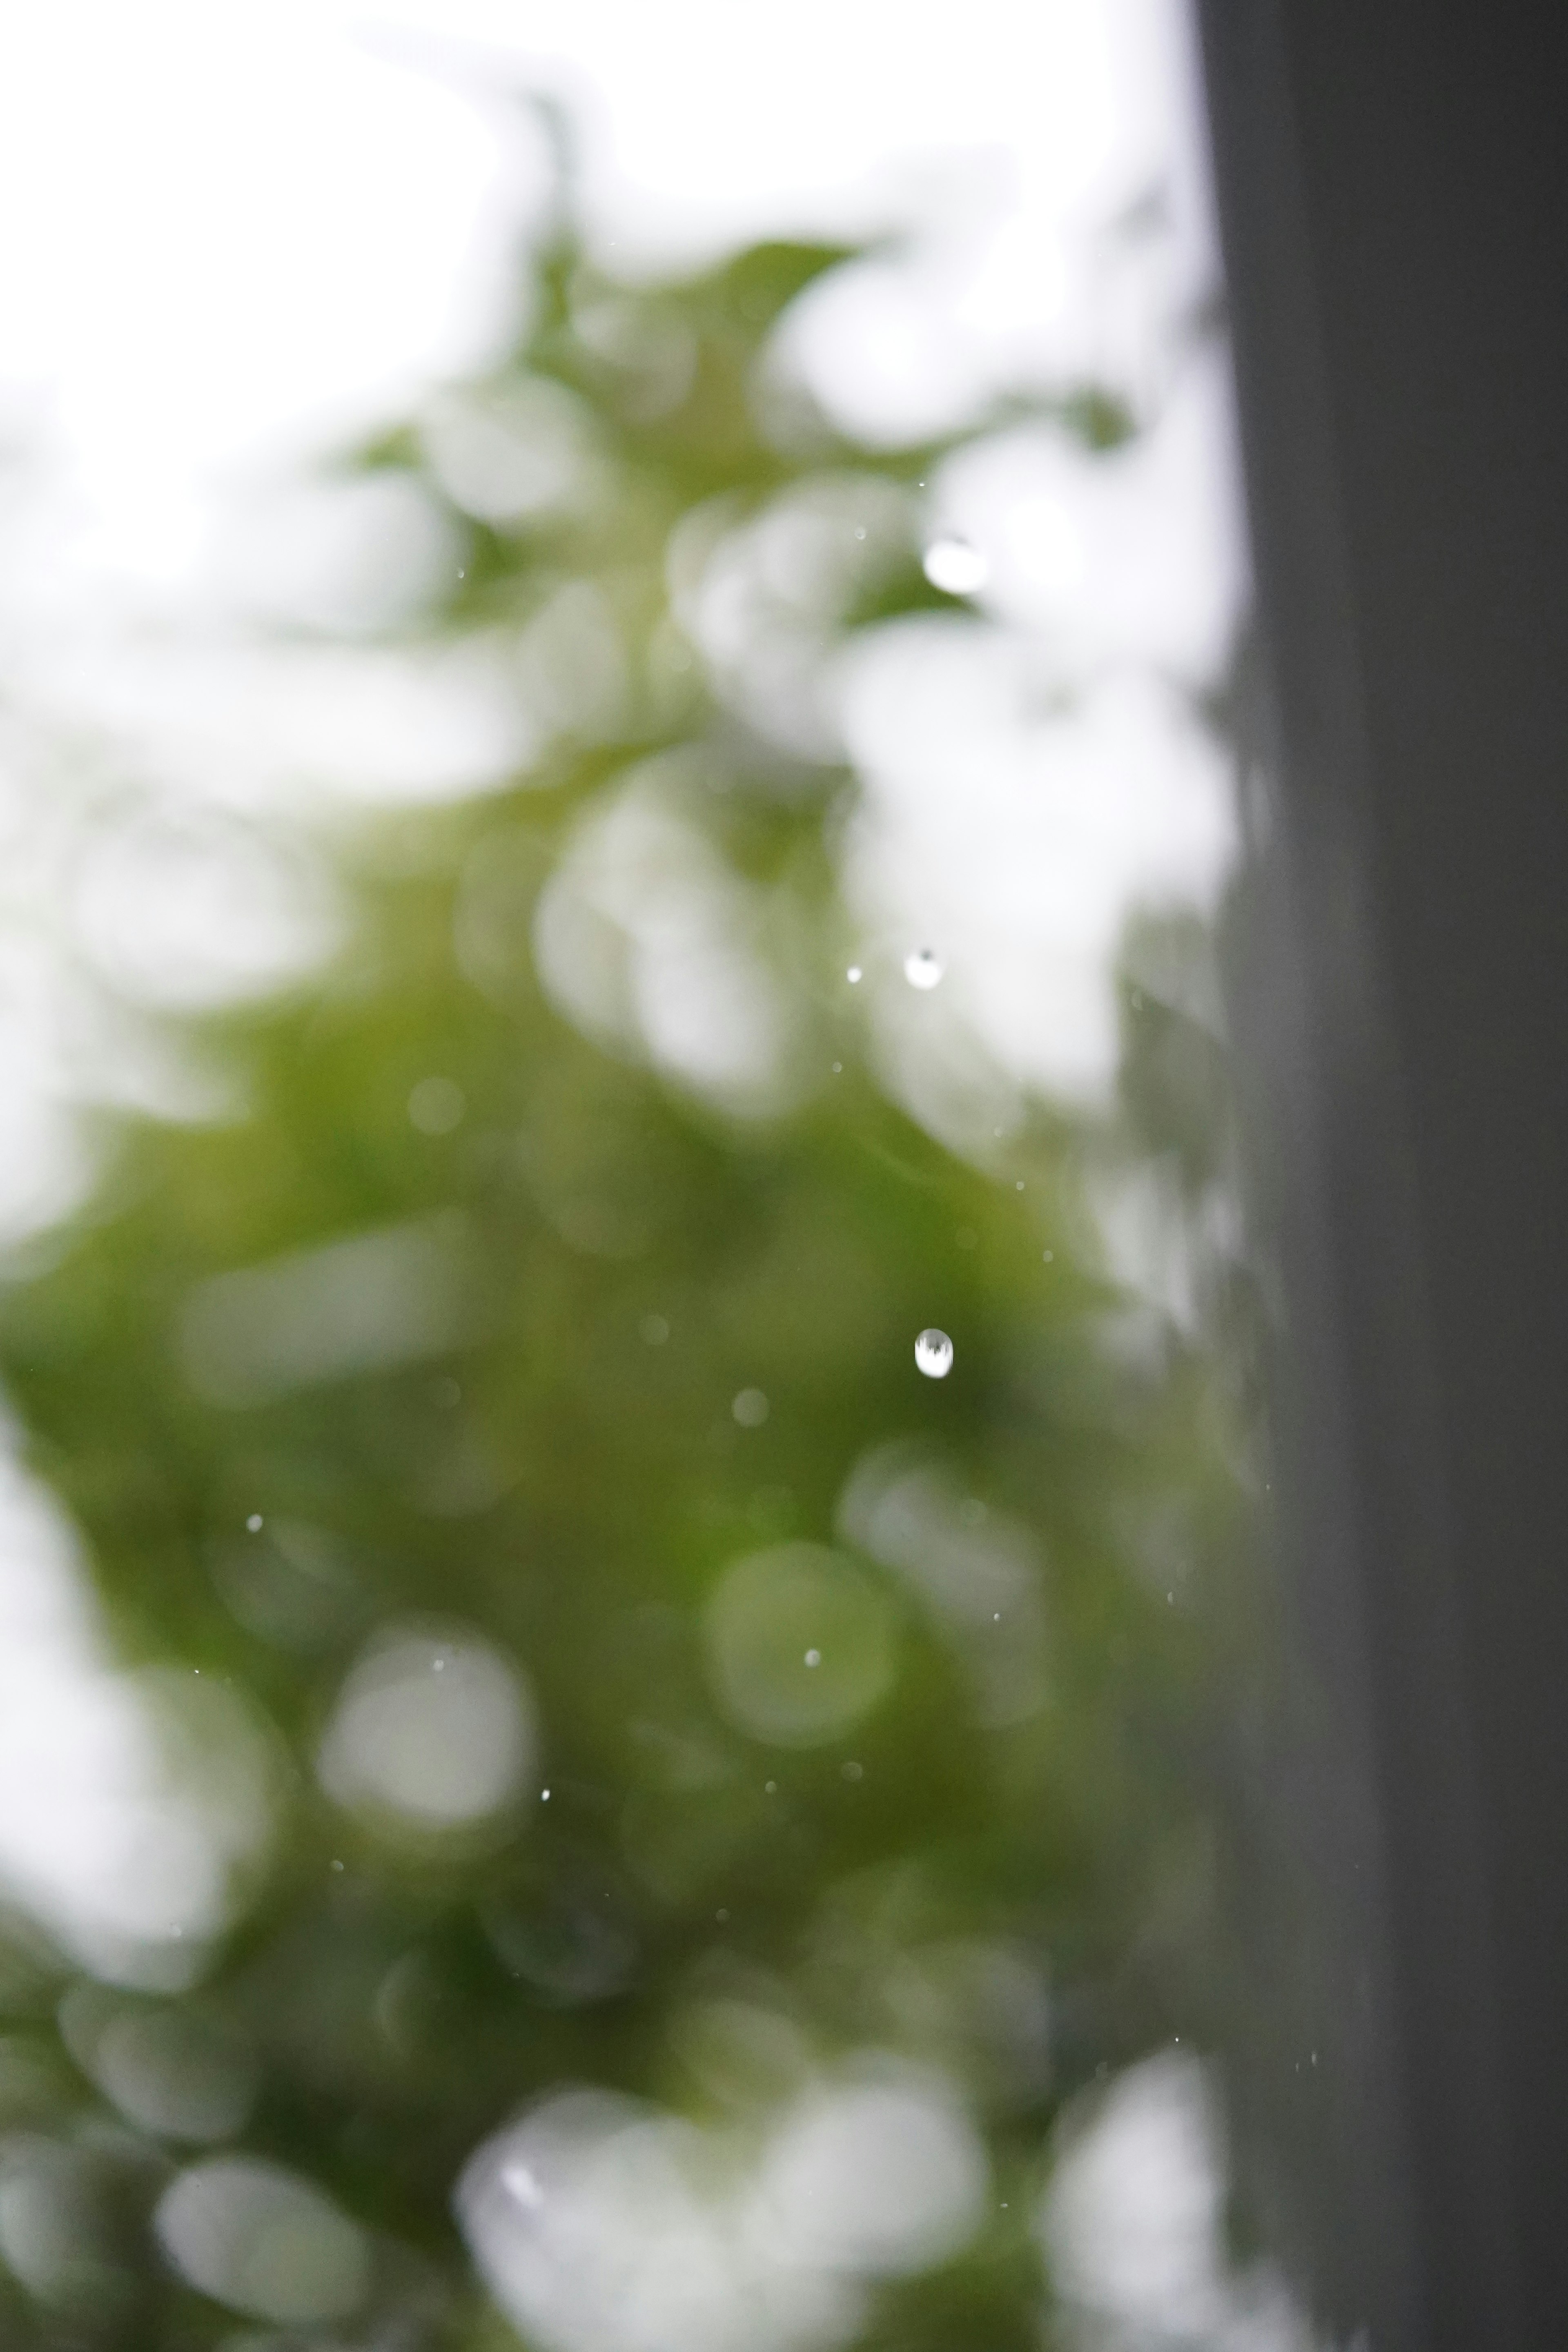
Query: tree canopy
x=498, y=1442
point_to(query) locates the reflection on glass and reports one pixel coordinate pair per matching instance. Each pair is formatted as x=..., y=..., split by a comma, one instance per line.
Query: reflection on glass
x=628, y=1434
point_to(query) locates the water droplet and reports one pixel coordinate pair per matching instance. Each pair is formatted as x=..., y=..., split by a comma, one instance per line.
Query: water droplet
x=814, y=1657
x=722, y=1916
x=853, y=1771
x=923, y=968
x=750, y=1408
x=253, y=1523
x=955, y=567
x=838, y=1069
x=336, y=1865
x=544, y=1796
x=933, y=1354
x=519, y=2182
x=854, y=974
x=1047, y=1255
x=437, y=1106
x=771, y=1788
x=1019, y=1186
x=655, y=1330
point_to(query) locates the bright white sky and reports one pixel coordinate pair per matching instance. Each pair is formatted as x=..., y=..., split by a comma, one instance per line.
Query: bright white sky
x=228, y=221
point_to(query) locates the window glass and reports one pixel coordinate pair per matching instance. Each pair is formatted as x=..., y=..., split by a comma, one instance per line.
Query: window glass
x=630, y=1505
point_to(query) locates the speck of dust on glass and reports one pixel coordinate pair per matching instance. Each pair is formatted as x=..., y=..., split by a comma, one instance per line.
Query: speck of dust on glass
x=684, y=874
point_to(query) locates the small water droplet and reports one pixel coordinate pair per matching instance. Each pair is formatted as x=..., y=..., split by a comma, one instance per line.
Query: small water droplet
x=437, y=1106
x=854, y=974
x=722, y=1916
x=814, y=1657
x=544, y=1796
x=853, y=1771
x=655, y=1330
x=1019, y=1186
x=336, y=1865
x=933, y=1354
x=923, y=968
x=838, y=1069
x=750, y=1408
x=771, y=1788
x=1047, y=1255
x=253, y=1523
x=859, y=530
x=955, y=567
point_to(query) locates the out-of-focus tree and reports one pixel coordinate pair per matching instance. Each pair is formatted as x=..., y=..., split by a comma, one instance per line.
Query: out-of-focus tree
x=512, y=1408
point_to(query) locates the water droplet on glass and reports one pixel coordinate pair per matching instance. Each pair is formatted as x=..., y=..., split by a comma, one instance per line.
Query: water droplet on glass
x=655, y=1330
x=519, y=2182
x=544, y=1796
x=814, y=1657
x=853, y=1771
x=923, y=968
x=336, y=1865
x=933, y=1354
x=253, y=1523
x=1019, y=1186
x=437, y=1106
x=770, y=1787
x=955, y=567
x=722, y=1916
x=1047, y=1255
x=838, y=1069
x=750, y=1408
x=853, y=974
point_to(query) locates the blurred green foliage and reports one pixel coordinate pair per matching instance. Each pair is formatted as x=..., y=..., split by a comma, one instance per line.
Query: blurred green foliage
x=565, y=1475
